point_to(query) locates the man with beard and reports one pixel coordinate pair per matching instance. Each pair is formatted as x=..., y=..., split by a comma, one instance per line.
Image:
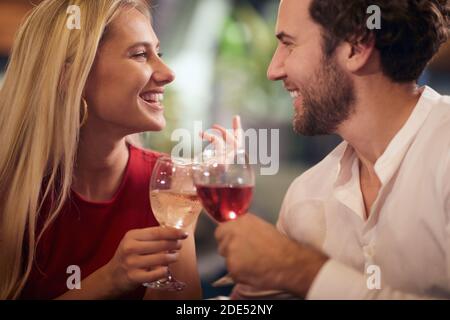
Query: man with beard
x=371, y=220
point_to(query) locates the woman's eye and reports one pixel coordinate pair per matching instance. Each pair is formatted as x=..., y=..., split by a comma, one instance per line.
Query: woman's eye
x=142, y=54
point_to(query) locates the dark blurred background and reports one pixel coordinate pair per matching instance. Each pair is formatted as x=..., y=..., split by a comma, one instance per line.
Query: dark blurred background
x=220, y=50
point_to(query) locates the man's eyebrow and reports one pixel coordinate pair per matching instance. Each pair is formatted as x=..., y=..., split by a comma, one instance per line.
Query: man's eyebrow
x=284, y=36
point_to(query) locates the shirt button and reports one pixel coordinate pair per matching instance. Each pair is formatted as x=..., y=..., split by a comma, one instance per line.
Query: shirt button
x=368, y=253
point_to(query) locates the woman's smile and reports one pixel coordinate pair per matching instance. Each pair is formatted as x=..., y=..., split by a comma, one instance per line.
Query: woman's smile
x=152, y=100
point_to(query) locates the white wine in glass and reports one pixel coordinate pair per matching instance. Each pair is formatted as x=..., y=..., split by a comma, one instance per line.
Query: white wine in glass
x=175, y=209
x=174, y=203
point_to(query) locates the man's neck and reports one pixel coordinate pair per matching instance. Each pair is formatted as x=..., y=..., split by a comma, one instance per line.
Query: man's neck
x=381, y=110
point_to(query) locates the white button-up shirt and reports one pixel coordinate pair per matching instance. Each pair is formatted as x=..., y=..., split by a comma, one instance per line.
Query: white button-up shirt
x=402, y=251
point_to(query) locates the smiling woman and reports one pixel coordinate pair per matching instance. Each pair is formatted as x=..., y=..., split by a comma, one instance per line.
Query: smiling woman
x=73, y=188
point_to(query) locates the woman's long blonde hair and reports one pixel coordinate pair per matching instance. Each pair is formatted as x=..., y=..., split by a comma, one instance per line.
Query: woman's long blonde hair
x=40, y=121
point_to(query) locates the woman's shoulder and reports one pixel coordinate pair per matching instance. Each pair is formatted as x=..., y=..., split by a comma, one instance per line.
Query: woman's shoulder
x=144, y=153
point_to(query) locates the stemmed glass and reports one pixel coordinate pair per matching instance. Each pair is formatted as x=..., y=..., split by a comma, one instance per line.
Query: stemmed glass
x=224, y=183
x=174, y=202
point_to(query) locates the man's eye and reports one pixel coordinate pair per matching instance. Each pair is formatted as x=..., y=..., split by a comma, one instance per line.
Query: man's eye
x=289, y=46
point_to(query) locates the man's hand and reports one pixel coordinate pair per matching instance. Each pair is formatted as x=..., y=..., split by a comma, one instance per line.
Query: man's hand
x=257, y=254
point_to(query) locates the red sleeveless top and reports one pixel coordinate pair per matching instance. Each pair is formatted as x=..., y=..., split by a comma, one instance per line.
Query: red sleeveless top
x=87, y=234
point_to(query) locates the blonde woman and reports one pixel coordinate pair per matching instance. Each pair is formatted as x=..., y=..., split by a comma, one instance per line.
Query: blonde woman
x=73, y=189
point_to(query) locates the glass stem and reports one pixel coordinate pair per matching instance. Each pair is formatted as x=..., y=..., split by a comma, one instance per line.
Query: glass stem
x=169, y=275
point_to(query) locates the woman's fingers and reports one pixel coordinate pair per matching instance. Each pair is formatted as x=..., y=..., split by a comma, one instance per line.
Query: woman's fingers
x=143, y=254
x=142, y=276
x=150, y=247
x=151, y=261
x=157, y=233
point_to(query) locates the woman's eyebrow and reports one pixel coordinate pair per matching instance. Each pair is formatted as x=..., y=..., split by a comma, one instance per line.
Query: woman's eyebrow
x=144, y=44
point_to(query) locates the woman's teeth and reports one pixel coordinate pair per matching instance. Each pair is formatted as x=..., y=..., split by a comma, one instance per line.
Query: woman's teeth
x=152, y=97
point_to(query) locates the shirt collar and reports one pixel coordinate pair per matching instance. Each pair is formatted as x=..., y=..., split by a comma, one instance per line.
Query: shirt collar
x=347, y=183
x=390, y=160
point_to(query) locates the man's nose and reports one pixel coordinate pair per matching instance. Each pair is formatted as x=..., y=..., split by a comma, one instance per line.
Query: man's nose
x=276, y=70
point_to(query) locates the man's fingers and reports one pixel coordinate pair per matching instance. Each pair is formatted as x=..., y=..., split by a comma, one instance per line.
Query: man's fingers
x=226, y=136
x=206, y=136
x=235, y=138
x=221, y=249
x=237, y=123
x=237, y=130
x=215, y=140
x=220, y=232
x=223, y=236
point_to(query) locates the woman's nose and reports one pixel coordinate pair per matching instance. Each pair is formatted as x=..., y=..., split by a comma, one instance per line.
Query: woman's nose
x=163, y=74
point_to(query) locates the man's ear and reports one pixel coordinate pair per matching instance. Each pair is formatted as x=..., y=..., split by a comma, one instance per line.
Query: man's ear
x=358, y=56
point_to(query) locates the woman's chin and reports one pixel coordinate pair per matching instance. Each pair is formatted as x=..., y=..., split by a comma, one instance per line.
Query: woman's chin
x=156, y=124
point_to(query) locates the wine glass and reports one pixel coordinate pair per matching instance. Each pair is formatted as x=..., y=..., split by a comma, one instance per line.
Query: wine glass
x=225, y=183
x=174, y=202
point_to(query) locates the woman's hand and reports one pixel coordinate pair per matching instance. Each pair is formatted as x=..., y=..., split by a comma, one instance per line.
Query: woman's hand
x=143, y=256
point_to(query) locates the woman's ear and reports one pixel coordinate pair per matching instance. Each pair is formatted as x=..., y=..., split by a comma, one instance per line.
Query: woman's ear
x=63, y=78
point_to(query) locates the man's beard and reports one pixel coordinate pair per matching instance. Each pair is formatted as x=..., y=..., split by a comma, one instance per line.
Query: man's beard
x=328, y=100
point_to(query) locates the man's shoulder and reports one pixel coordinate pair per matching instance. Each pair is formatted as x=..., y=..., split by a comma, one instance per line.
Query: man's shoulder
x=446, y=99
x=437, y=125
x=440, y=104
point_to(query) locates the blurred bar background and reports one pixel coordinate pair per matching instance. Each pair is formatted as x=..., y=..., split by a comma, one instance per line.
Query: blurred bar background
x=220, y=50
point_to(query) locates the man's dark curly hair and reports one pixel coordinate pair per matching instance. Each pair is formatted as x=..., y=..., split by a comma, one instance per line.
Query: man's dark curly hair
x=411, y=31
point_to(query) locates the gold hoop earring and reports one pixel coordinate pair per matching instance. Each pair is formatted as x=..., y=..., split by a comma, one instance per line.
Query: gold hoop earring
x=84, y=110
